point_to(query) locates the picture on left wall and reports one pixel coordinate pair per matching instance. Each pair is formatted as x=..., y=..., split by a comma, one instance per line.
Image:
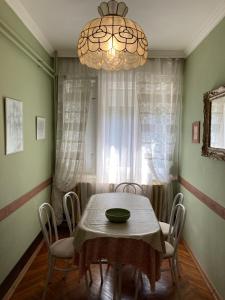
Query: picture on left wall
x=13, y=125
x=40, y=128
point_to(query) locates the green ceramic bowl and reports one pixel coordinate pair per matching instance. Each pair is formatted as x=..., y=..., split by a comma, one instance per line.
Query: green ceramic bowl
x=117, y=215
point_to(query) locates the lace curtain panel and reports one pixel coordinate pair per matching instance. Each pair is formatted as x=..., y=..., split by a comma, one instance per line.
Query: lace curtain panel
x=159, y=93
x=74, y=92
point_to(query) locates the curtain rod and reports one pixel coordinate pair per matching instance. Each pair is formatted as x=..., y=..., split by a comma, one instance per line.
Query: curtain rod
x=11, y=35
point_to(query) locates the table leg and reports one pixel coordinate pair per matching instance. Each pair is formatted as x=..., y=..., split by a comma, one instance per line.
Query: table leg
x=119, y=280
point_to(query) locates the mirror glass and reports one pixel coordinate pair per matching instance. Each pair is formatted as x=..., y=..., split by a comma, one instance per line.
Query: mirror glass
x=217, y=126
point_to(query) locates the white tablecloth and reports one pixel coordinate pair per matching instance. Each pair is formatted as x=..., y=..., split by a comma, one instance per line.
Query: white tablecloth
x=142, y=224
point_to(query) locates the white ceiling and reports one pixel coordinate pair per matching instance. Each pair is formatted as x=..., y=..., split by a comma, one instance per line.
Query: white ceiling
x=178, y=25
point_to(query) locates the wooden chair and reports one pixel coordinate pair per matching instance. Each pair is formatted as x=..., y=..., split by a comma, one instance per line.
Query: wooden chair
x=178, y=199
x=130, y=187
x=57, y=248
x=71, y=200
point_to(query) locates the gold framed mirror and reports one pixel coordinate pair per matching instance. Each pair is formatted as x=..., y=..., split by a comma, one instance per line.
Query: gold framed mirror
x=214, y=124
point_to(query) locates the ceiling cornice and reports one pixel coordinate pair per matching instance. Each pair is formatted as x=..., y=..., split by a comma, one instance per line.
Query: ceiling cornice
x=209, y=24
x=25, y=17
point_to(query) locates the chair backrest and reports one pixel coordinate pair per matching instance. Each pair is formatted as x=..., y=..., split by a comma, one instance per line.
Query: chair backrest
x=130, y=187
x=71, y=203
x=176, y=228
x=48, y=223
x=178, y=199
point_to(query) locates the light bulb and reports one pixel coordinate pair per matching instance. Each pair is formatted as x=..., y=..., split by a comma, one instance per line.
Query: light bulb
x=112, y=50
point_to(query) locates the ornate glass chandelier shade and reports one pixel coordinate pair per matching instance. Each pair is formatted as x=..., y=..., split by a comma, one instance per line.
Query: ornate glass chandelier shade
x=112, y=42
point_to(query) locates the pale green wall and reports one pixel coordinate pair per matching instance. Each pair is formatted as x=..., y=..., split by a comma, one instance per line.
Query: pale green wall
x=204, y=230
x=22, y=79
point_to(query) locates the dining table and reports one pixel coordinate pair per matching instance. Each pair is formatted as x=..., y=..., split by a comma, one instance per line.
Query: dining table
x=137, y=242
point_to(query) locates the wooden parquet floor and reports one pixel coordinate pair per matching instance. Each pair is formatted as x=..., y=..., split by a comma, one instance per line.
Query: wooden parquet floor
x=190, y=287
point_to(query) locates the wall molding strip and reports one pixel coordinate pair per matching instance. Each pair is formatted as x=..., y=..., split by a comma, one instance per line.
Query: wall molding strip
x=16, y=204
x=8, y=286
x=209, y=284
x=11, y=35
x=212, y=204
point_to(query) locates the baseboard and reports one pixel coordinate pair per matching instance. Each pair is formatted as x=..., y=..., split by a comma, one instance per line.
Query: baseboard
x=216, y=295
x=10, y=283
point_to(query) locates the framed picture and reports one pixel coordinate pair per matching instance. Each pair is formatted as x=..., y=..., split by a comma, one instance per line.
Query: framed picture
x=13, y=125
x=196, y=132
x=40, y=128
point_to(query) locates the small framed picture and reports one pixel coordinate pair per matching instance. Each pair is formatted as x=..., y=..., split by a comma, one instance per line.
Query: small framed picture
x=196, y=132
x=40, y=128
x=13, y=125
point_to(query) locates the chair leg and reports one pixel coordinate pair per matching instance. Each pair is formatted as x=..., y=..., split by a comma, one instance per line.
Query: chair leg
x=152, y=287
x=108, y=266
x=134, y=274
x=51, y=262
x=119, y=280
x=114, y=282
x=141, y=278
x=177, y=266
x=174, y=264
x=86, y=281
x=172, y=270
x=100, y=268
x=90, y=274
x=137, y=282
x=67, y=267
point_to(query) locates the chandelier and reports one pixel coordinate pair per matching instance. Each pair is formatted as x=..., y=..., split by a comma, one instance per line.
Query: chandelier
x=112, y=42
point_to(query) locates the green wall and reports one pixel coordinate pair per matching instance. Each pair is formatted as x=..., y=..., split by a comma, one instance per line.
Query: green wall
x=22, y=79
x=204, y=230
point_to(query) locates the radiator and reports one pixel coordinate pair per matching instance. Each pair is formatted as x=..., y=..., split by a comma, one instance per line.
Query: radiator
x=158, y=200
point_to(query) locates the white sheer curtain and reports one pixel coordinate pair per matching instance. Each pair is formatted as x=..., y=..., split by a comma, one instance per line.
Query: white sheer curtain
x=74, y=90
x=138, y=123
x=118, y=134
